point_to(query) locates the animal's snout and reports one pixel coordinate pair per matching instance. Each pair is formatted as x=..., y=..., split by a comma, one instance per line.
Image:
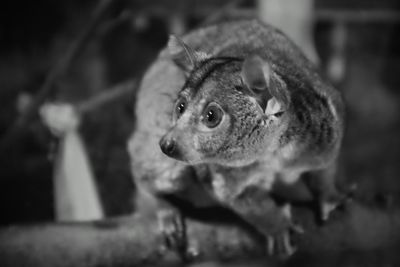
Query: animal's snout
x=169, y=146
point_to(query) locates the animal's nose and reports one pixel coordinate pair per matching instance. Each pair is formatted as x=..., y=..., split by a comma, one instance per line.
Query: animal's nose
x=168, y=146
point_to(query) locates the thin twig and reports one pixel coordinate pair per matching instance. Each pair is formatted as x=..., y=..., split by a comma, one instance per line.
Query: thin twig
x=65, y=61
x=116, y=92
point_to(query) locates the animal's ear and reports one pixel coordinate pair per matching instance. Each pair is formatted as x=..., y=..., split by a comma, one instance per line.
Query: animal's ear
x=183, y=55
x=259, y=78
x=256, y=73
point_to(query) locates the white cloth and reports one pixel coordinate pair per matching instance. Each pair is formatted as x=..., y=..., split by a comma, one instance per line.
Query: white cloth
x=76, y=197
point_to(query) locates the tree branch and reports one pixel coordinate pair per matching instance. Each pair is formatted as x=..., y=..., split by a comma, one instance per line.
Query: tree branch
x=129, y=241
x=118, y=91
x=356, y=236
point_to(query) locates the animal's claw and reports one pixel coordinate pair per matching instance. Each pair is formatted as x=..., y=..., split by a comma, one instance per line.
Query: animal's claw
x=297, y=228
x=328, y=206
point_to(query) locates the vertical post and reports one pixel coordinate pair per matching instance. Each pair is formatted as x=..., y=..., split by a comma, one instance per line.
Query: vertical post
x=336, y=65
x=295, y=18
x=177, y=20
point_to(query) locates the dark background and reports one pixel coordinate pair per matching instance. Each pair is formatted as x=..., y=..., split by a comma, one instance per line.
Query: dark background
x=35, y=34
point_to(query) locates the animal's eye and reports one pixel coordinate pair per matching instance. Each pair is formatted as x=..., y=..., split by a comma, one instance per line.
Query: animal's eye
x=212, y=116
x=180, y=107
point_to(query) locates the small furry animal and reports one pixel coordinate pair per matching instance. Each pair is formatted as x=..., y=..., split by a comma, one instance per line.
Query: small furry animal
x=248, y=107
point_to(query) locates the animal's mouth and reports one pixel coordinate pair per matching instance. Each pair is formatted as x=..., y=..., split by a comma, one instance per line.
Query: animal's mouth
x=178, y=156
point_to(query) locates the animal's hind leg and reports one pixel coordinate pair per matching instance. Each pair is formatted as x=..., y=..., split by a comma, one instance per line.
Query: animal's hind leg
x=323, y=185
x=273, y=221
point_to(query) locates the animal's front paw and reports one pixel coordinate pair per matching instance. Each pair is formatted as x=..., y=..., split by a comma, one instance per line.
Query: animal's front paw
x=172, y=227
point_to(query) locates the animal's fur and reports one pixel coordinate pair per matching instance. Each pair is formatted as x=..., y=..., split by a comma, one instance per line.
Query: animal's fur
x=250, y=150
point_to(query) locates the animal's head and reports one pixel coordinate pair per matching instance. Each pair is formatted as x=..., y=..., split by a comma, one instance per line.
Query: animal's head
x=229, y=110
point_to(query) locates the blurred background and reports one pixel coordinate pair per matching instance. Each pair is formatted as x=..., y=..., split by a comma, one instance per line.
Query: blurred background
x=80, y=52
